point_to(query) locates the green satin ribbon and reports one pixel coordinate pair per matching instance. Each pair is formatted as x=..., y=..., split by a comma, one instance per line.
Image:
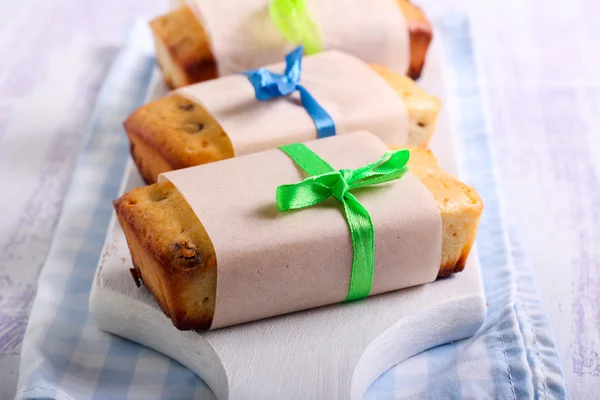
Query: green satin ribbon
x=295, y=24
x=325, y=182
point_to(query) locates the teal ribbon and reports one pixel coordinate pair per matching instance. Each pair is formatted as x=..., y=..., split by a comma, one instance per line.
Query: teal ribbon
x=325, y=182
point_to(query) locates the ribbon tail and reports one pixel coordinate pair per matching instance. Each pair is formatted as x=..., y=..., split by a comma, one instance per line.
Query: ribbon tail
x=363, y=245
x=323, y=121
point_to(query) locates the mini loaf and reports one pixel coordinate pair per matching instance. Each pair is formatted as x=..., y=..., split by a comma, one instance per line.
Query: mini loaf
x=175, y=259
x=173, y=132
x=184, y=55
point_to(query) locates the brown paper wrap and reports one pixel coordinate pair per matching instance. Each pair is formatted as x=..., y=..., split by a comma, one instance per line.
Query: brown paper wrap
x=271, y=263
x=351, y=92
x=242, y=35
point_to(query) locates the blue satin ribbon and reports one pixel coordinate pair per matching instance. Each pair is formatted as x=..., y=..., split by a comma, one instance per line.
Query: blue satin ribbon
x=269, y=85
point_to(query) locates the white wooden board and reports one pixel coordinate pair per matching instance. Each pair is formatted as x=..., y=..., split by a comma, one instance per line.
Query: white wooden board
x=333, y=352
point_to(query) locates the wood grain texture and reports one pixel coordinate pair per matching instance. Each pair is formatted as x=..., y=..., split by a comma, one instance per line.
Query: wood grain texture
x=540, y=62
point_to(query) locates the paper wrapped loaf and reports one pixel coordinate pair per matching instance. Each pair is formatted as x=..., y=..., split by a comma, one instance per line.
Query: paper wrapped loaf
x=183, y=48
x=173, y=251
x=177, y=132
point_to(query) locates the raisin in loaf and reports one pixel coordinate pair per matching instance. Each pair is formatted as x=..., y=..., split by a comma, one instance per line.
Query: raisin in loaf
x=173, y=132
x=184, y=55
x=174, y=257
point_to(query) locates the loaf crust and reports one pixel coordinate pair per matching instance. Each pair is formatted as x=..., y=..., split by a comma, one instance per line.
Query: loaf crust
x=182, y=49
x=173, y=132
x=176, y=259
x=184, y=55
x=420, y=34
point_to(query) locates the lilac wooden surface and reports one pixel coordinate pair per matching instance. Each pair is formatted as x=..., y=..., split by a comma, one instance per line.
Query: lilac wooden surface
x=54, y=55
x=540, y=61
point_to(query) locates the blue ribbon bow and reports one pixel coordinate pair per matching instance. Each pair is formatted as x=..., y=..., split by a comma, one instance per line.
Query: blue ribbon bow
x=269, y=85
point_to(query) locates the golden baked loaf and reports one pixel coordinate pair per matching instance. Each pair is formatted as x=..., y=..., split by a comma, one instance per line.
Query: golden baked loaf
x=184, y=55
x=173, y=132
x=176, y=261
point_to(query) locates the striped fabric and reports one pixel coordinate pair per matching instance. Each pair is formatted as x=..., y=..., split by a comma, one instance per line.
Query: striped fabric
x=65, y=355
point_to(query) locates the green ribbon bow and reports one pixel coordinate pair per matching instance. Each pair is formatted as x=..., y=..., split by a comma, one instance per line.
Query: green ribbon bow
x=294, y=22
x=325, y=182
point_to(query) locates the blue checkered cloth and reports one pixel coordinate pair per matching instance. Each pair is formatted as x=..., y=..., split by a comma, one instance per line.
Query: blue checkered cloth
x=66, y=356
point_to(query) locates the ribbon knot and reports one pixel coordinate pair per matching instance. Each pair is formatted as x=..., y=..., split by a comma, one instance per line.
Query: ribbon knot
x=326, y=182
x=340, y=186
x=269, y=85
